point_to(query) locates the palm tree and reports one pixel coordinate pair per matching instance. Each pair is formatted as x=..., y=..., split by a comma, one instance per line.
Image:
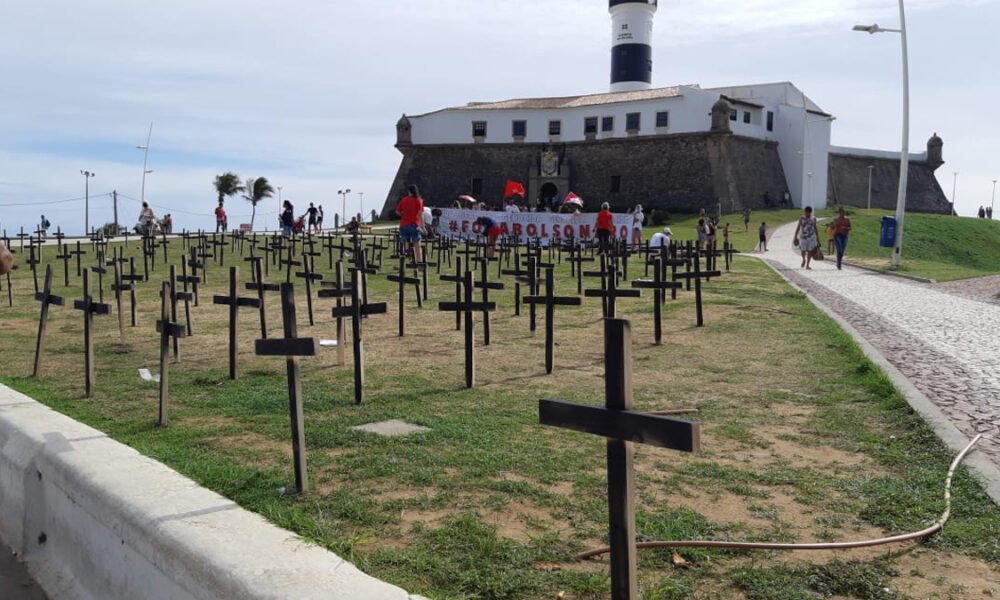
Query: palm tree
x=227, y=184
x=256, y=188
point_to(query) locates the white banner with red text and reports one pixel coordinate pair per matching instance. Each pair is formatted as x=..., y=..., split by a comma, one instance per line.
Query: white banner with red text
x=525, y=226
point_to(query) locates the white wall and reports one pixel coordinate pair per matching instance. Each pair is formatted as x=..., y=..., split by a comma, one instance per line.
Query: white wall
x=120, y=526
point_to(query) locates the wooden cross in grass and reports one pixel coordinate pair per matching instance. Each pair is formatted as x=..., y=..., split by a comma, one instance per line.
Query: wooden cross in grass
x=177, y=295
x=403, y=281
x=519, y=275
x=468, y=307
x=118, y=287
x=550, y=300
x=193, y=278
x=338, y=291
x=234, y=302
x=78, y=253
x=458, y=278
x=659, y=286
x=576, y=259
x=46, y=298
x=132, y=278
x=622, y=427
x=261, y=287
x=609, y=292
x=65, y=257
x=291, y=347
x=486, y=285
x=697, y=275
x=168, y=329
x=89, y=309
x=356, y=312
x=310, y=276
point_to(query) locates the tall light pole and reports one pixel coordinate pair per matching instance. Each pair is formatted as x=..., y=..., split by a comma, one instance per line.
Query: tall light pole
x=145, y=157
x=86, y=199
x=870, y=169
x=343, y=197
x=362, y=195
x=993, y=198
x=904, y=156
x=281, y=205
x=954, y=186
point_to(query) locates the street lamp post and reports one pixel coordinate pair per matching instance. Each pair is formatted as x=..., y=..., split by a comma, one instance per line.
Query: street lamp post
x=362, y=195
x=145, y=157
x=86, y=200
x=904, y=156
x=870, y=169
x=343, y=197
x=954, y=186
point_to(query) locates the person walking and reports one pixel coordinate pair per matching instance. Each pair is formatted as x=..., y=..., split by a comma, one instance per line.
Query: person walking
x=982, y=212
x=605, y=227
x=842, y=228
x=638, y=218
x=221, y=221
x=702, y=232
x=829, y=237
x=312, y=211
x=319, y=220
x=43, y=227
x=806, y=236
x=762, y=237
x=287, y=218
x=746, y=219
x=411, y=213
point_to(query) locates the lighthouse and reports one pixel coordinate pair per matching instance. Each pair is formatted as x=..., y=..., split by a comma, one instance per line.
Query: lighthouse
x=631, y=44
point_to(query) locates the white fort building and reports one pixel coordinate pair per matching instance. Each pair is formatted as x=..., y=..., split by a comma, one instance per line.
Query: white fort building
x=679, y=148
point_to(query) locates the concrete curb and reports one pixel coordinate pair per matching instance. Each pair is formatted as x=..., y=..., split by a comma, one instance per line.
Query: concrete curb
x=93, y=519
x=891, y=273
x=982, y=468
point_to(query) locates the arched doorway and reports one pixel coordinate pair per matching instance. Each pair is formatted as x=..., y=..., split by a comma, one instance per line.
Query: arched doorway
x=548, y=196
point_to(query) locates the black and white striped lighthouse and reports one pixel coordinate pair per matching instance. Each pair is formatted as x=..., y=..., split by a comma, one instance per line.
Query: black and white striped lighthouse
x=631, y=49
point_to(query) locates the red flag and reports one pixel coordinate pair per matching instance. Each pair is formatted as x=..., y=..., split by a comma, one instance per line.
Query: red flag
x=513, y=189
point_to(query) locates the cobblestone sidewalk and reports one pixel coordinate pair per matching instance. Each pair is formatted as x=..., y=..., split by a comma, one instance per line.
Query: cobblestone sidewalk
x=946, y=343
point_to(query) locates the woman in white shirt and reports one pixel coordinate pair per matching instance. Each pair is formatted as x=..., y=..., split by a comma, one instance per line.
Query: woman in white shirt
x=661, y=238
x=637, y=220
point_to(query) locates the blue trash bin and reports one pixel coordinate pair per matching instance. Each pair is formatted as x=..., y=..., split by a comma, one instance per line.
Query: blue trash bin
x=888, y=237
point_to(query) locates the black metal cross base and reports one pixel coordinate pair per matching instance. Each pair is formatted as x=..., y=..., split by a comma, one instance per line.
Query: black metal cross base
x=292, y=347
x=622, y=427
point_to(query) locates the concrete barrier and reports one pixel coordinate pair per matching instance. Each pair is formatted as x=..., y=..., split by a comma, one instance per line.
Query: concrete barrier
x=95, y=520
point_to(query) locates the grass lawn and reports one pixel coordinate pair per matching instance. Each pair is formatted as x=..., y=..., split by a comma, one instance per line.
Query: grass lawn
x=803, y=440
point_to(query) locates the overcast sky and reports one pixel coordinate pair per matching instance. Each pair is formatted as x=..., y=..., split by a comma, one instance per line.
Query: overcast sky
x=307, y=92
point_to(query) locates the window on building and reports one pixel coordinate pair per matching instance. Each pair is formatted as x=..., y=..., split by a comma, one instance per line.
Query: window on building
x=590, y=125
x=479, y=129
x=477, y=186
x=616, y=183
x=663, y=119
x=555, y=127
x=632, y=122
x=746, y=117
x=770, y=121
x=519, y=129
x=608, y=124
x=733, y=114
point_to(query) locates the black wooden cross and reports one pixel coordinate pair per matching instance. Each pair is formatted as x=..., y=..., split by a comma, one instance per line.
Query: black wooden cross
x=89, y=308
x=133, y=278
x=176, y=296
x=46, y=298
x=78, y=253
x=486, y=285
x=65, y=257
x=291, y=347
x=519, y=275
x=22, y=236
x=204, y=255
x=356, y=311
x=550, y=300
x=469, y=308
x=310, y=276
x=622, y=427
x=697, y=275
x=118, y=287
x=609, y=292
x=164, y=242
x=290, y=262
x=194, y=279
x=458, y=278
x=168, y=329
x=10, y=291
x=33, y=262
x=403, y=281
x=658, y=285
x=234, y=302
x=576, y=259
x=261, y=287
x=338, y=291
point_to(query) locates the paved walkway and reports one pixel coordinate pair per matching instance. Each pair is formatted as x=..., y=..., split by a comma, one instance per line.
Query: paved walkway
x=15, y=584
x=946, y=342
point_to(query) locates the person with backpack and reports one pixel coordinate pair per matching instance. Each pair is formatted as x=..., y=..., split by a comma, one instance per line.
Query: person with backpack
x=43, y=227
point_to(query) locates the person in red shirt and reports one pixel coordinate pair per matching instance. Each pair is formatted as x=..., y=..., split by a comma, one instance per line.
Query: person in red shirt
x=489, y=228
x=220, y=219
x=841, y=229
x=411, y=213
x=605, y=227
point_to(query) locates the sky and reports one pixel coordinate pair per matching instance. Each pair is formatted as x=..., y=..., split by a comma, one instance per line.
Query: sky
x=307, y=92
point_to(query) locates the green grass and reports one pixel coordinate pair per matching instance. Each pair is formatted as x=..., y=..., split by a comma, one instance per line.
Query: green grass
x=939, y=247
x=488, y=501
